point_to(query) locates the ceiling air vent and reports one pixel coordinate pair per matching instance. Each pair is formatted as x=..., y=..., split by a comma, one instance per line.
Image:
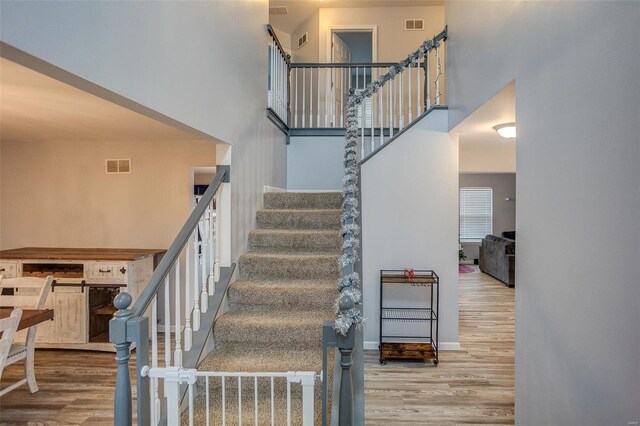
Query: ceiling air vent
x=119, y=166
x=278, y=10
x=413, y=24
x=303, y=40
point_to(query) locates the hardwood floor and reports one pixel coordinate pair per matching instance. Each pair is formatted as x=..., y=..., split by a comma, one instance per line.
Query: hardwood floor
x=472, y=386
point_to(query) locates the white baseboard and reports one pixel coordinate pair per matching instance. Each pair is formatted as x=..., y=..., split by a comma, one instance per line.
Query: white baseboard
x=273, y=189
x=444, y=346
x=449, y=346
x=313, y=190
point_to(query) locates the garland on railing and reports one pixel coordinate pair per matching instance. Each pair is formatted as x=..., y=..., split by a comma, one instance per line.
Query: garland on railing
x=348, y=314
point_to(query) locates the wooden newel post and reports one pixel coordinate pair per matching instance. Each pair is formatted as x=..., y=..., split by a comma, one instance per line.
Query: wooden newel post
x=122, y=414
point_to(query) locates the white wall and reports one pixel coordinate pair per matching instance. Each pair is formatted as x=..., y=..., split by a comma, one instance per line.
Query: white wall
x=308, y=52
x=284, y=38
x=410, y=218
x=394, y=43
x=576, y=67
x=187, y=60
x=480, y=158
x=315, y=162
x=56, y=193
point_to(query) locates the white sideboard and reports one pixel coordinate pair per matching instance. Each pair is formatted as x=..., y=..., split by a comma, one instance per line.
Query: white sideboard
x=85, y=283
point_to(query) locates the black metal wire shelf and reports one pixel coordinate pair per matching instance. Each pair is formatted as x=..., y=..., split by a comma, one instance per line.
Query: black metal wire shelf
x=408, y=314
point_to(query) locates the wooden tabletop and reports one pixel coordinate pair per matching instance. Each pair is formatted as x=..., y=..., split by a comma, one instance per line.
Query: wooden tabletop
x=56, y=253
x=29, y=316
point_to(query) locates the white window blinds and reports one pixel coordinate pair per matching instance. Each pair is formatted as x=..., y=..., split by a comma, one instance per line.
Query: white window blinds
x=476, y=213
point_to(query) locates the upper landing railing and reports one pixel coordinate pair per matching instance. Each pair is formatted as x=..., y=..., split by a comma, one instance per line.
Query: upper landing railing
x=314, y=95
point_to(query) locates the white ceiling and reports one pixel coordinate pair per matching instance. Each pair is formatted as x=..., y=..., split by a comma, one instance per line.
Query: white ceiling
x=301, y=10
x=476, y=132
x=35, y=107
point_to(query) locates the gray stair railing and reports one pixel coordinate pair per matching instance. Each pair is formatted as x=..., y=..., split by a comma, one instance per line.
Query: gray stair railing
x=188, y=285
x=348, y=306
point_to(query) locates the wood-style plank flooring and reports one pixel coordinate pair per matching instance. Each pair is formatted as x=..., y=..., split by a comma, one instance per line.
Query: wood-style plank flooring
x=472, y=386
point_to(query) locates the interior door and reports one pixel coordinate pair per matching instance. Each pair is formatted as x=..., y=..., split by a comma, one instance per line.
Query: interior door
x=341, y=54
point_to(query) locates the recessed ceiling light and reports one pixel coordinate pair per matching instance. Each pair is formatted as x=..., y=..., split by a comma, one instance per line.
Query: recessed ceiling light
x=506, y=130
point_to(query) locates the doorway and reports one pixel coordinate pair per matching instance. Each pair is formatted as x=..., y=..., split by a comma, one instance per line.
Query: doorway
x=350, y=45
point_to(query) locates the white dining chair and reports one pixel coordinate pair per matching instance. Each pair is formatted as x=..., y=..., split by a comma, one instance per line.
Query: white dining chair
x=8, y=328
x=28, y=293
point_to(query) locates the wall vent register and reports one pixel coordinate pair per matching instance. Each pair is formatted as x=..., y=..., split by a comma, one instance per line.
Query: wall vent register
x=117, y=166
x=278, y=10
x=303, y=40
x=413, y=24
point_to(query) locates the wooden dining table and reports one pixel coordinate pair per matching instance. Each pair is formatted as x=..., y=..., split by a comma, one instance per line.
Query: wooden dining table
x=29, y=317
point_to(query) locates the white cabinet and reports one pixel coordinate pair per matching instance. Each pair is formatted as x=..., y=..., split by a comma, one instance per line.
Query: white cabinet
x=86, y=281
x=9, y=269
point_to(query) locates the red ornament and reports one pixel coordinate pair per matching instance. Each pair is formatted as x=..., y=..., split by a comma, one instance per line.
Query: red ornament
x=409, y=273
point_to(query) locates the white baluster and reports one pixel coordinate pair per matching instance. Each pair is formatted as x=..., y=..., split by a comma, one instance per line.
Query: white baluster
x=197, y=259
x=380, y=113
x=224, y=404
x=270, y=94
x=401, y=100
x=295, y=104
x=310, y=96
x=155, y=398
x=216, y=263
x=327, y=97
x=204, y=295
x=438, y=74
x=304, y=91
x=167, y=323
x=390, y=95
x=342, y=99
x=409, y=94
x=372, y=143
x=333, y=97
x=177, y=354
x=212, y=251
x=419, y=102
x=427, y=82
x=188, y=333
x=318, y=101
x=239, y=401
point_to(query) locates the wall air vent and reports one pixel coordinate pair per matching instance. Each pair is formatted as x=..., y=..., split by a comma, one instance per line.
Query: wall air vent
x=303, y=40
x=278, y=10
x=119, y=166
x=413, y=24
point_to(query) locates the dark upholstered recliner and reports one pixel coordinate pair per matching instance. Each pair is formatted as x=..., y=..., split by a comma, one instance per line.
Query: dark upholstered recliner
x=498, y=258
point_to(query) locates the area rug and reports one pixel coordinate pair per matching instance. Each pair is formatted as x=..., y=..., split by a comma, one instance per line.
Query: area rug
x=465, y=269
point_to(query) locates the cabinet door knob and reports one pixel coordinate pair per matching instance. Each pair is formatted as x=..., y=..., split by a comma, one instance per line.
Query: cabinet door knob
x=123, y=270
x=105, y=271
x=2, y=270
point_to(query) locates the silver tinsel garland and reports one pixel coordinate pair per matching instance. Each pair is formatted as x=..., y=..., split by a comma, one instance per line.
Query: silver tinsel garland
x=348, y=313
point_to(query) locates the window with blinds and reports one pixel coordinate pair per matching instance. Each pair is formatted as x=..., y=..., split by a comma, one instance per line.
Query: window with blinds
x=476, y=213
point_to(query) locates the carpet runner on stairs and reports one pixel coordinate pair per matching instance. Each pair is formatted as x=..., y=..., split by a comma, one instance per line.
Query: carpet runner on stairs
x=285, y=290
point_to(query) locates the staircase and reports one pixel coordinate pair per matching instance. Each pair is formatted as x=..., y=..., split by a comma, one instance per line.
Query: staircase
x=286, y=289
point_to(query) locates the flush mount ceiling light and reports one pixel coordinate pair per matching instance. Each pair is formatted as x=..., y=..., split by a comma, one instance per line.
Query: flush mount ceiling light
x=506, y=130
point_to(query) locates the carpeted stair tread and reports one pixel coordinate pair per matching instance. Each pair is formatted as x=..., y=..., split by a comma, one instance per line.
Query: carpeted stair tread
x=255, y=359
x=269, y=328
x=287, y=241
x=298, y=219
x=303, y=200
x=289, y=266
x=284, y=294
x=285, y=290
